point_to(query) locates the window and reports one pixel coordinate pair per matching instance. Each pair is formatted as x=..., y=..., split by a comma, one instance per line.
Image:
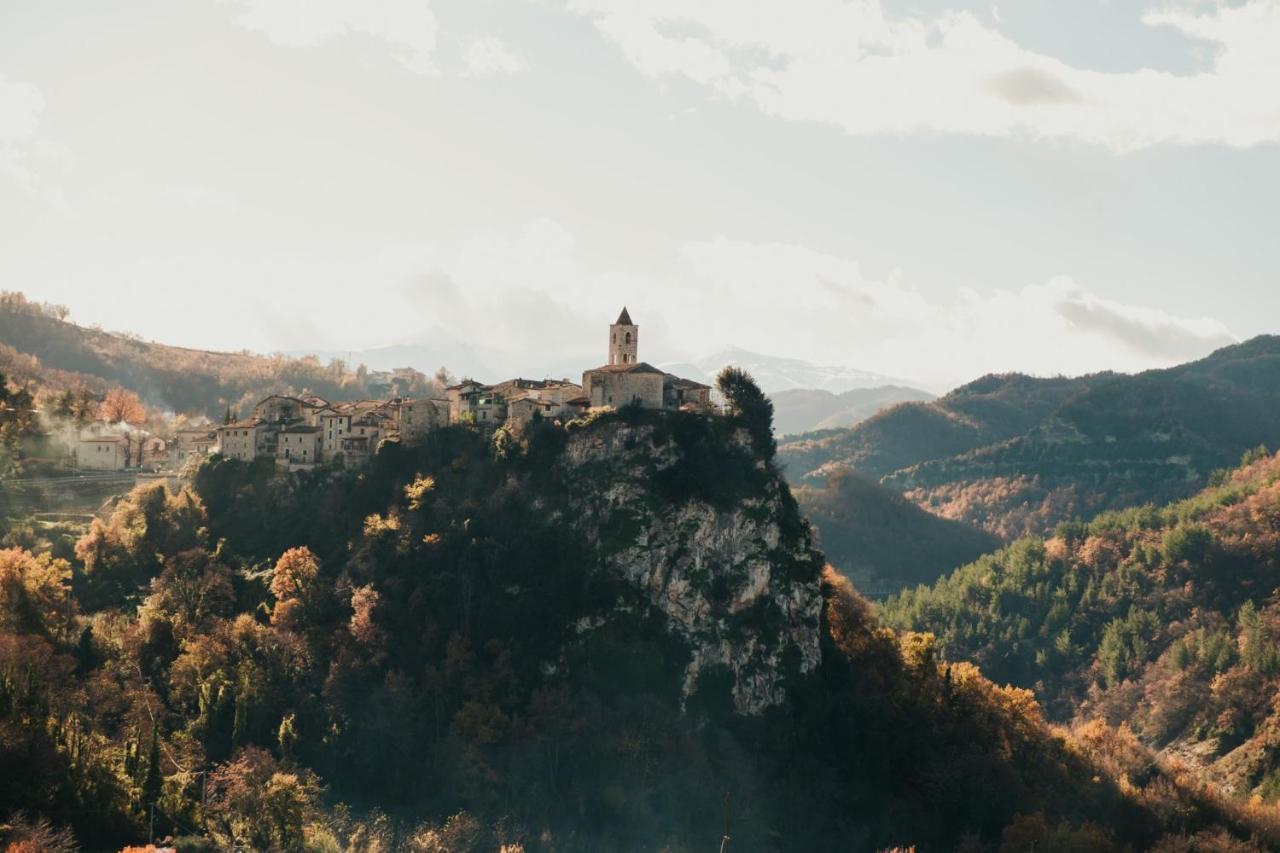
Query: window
x=628, y=337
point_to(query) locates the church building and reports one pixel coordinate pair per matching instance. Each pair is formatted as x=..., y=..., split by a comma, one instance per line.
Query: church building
x=626, y=380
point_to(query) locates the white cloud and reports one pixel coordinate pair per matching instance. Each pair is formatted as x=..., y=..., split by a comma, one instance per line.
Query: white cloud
x=20, y=108
x=794, y=301
x=525, y=295
x=203, y=198
x=24, y=154
x=489, y=56
x=407, y=26
x=852, y=65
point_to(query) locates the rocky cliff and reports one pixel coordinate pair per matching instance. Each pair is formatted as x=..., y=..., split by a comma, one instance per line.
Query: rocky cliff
x=737, y=580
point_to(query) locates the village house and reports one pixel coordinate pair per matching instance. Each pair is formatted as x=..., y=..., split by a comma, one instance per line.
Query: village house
x=300, y=432
x=102, y=452
x=198, y=440
x=419, y=417
x=248, y=439
x=298, y=446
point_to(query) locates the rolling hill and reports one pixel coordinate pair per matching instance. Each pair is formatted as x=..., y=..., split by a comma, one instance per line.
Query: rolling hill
x=1016, y=454
x=881, y=540
x=39, y=345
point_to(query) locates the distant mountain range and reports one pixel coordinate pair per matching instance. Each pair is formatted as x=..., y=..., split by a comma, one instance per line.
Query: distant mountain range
x=775, y=373
x=1016, y=454
x=802, y=410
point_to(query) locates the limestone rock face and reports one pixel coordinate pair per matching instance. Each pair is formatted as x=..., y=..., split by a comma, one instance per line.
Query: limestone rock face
x=737, y=580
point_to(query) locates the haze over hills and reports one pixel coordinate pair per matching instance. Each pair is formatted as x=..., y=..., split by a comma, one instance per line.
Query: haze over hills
x=777, y=373
x=38, y=344
x=802, y=410
x=1016, y=454
x=881, y=540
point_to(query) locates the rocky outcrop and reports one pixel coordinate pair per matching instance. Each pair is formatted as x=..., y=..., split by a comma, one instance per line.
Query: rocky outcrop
x=738, y=580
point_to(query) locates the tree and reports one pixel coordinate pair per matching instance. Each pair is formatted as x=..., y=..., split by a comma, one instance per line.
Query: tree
x=35, y=594
x=291, y=583
x=746, y=401
x=153, y=781
x=121, y=406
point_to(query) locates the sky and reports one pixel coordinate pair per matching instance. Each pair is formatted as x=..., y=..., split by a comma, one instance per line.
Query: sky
x=927, y=189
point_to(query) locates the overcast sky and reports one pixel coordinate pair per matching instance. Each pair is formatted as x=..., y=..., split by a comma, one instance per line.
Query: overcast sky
x=926, y=189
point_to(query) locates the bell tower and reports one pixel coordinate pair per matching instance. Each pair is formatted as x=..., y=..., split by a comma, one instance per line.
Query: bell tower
x=624, y=340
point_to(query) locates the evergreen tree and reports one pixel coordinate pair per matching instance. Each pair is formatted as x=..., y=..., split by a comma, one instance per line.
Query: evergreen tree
x=152, y=783
x=745, y=400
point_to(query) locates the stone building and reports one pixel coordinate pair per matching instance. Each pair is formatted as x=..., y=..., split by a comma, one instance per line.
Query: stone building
x=247, y=440
x=198, y=440
x=102, y=452
x=419, y=417
x=298, y=446
x=625, y=380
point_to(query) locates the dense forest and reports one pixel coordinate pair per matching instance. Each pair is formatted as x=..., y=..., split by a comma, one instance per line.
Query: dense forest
x=463, y=647
x=1164, y=619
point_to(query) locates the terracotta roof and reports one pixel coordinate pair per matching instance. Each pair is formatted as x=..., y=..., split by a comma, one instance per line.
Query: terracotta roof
x=641, y=367
x=252, y=422
x=624, y=319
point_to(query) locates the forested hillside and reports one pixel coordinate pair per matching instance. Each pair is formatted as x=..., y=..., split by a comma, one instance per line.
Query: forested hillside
x=576, y=639
x=882, y=541
x=1163, y=619
x=1017, y=455
x=38, y=344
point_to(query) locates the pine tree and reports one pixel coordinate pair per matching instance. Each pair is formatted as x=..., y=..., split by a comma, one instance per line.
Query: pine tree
x=151, y=785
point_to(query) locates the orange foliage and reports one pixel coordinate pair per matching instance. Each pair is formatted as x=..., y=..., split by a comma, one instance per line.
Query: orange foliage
x=121, y=406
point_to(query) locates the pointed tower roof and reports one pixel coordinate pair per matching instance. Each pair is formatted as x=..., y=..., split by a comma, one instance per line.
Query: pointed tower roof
x=624, y=319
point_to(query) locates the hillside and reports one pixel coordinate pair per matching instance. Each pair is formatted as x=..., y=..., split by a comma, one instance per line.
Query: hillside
x=1016, y=455
x=804, y=410
x=988, y=410
x=574, y=640
x=39, y=345
x=1164, y=619
x=882, y=541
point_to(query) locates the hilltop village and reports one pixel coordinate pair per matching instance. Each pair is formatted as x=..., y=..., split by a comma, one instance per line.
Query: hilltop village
x=303, y=431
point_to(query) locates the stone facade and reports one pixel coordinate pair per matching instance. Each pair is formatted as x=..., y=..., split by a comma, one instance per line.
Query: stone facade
x=102, y=453
x=619, y=385
x=624, y=340
x=626, y=380
x=247, y=440
x=419, y=417
x=298, y=446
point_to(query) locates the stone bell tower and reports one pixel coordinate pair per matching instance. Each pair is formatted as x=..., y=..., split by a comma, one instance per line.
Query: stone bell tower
x=624, y=340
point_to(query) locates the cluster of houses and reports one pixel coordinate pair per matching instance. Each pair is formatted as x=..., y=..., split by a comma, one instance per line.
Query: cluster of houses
x=300, y=432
